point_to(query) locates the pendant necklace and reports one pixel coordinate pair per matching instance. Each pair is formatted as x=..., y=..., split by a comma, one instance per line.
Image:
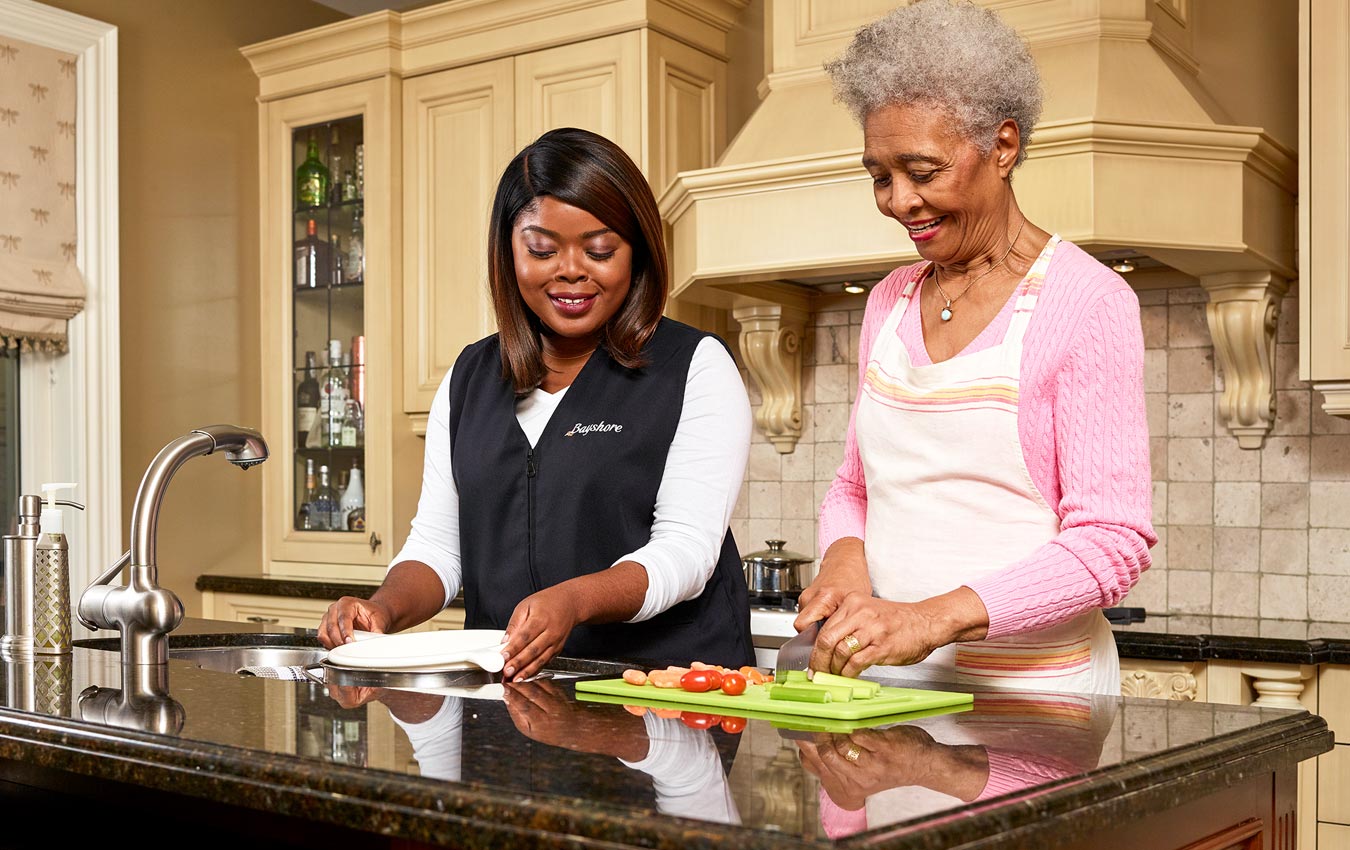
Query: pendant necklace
x=946, y=314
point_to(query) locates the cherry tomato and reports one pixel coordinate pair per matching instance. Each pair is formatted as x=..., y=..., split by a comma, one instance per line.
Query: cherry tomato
x=697, y=681
x=733, y=725
x=716, y=677
x=699, y=720
x=733, y=684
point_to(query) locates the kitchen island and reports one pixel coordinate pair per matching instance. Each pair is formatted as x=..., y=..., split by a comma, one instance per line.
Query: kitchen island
x=238, y=757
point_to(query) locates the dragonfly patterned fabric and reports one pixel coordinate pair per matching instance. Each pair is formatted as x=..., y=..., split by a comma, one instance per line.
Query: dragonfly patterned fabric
x=40, y=284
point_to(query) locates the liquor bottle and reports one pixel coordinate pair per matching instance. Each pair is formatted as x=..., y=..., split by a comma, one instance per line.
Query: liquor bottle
x=353, y=270
x=353, y=424
x=324, y=509
x=306, y=400
x=334, y=168
x=338, y=258
x=356, y=388
x=348, y=186
x=312, y=179
x=305, y=520
x=360, y=171
x=333, y=396
x=312, y=259
x=354, y=502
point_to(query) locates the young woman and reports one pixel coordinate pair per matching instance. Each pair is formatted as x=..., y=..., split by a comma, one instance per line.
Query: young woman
x=582, y=463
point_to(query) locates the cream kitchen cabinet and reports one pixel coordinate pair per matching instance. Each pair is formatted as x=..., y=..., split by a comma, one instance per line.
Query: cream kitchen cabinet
x=295, y=613
x=656, y=97
x=1324, y=211
x=443, y=96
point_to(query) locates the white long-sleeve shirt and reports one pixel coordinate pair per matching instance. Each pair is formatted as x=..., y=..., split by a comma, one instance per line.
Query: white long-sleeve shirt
x=699, y=487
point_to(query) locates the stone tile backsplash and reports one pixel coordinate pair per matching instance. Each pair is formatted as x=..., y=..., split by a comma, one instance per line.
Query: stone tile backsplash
x=1242, y=534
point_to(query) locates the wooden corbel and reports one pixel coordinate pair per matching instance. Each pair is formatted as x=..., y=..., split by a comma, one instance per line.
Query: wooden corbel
x=771, y=346
x=1243, y=309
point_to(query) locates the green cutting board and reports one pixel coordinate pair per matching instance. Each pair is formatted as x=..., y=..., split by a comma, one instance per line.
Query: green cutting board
x=756, y=700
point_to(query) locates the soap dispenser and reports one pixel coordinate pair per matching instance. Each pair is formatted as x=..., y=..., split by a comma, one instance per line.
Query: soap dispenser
x=20, y=553
x=51, y=577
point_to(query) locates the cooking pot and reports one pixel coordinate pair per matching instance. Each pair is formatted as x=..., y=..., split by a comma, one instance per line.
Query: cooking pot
x=775, y=575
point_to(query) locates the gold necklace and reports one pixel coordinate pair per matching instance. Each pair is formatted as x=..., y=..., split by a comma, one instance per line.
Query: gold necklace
x=946, y=314
x=566, y=359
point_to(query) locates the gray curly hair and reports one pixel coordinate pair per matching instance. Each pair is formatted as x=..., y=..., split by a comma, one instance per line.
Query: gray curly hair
x=950, y=53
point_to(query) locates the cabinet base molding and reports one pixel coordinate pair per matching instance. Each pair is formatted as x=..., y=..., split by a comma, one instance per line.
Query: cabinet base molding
x=1174, y=680
x=1335, y=397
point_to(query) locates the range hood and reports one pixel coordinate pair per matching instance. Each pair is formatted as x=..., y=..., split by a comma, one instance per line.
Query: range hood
x=1133, y=158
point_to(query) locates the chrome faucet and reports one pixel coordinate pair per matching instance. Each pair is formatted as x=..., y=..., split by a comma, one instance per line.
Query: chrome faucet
x=143, y=611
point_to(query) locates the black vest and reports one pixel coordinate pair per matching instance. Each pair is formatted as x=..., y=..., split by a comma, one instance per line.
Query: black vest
x=582, y=498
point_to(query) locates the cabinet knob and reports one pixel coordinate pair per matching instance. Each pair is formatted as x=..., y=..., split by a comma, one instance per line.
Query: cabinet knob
x=257, y=619
x=374, y=542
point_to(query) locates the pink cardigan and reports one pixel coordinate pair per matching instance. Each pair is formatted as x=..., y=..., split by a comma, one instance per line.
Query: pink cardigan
x=1084, y=437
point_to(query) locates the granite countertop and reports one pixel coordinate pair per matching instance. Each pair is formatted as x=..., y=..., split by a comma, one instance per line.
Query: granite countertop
x=1161, y=637
x=540, y=768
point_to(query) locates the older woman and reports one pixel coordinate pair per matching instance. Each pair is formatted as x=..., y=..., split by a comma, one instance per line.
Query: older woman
x=995, y=491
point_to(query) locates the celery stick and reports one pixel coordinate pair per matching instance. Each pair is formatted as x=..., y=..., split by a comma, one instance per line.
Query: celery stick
x=794, y=677
x=862, y=688
x=795, y=693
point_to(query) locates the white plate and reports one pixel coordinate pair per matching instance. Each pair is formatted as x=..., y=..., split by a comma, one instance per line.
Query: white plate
x=423, y=651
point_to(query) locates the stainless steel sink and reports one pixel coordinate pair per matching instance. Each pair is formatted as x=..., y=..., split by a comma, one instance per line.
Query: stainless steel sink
x=230, y=659
x=228, y=653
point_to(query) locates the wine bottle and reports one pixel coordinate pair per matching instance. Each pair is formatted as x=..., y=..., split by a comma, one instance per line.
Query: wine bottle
x=354, y=502
x=312, y=178
x=324, y=509
x=333, y=396
x=312, y=259
x=306, y=400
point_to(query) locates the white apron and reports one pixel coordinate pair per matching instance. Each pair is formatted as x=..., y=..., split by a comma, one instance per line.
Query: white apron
x=949, y=499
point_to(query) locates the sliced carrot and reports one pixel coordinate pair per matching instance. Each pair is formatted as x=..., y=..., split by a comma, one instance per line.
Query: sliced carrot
x=635, y=677
x=639, y=710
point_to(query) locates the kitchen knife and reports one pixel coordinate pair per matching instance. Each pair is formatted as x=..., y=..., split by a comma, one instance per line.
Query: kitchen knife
x=796, y=653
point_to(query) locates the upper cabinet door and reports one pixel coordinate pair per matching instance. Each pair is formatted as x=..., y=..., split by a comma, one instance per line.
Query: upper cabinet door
x=595, y=85
x=457, y=139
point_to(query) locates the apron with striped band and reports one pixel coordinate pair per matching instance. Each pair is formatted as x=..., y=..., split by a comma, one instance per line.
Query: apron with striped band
x=949, y=499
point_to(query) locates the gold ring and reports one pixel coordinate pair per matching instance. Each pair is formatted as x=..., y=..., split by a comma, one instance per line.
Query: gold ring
x=853, y=644
x=853, y=753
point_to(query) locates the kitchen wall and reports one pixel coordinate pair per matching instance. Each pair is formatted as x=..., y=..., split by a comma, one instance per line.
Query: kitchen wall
x=1242, y=534
x=189, y=271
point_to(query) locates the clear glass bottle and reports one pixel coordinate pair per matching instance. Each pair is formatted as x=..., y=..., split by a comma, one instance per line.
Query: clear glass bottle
x=353, y=424
x=338, y=260
x=354, y=269
x=305, y=520
x=306, y=400
x=312, y=259
x=354, y=502
x=348, y=186
x=334, y=167
x=312, y=178
x=324, y=509
x=333, y=396
x=360, y=171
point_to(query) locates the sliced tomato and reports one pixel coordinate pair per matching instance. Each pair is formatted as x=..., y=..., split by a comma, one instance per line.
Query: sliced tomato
x=733, y=684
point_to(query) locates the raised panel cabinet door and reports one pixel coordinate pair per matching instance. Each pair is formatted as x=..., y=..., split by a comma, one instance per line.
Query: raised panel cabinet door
x=595, y=85
x=687, y=109
x=1324, y=211
x=457, y=139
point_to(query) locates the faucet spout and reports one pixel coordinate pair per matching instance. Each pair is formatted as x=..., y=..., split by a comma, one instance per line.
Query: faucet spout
x=143, y=611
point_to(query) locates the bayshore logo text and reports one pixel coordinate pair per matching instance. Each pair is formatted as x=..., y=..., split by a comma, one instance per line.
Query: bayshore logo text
x=601, y=427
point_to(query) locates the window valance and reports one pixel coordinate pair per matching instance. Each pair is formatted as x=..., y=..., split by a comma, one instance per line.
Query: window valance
x=40, y=285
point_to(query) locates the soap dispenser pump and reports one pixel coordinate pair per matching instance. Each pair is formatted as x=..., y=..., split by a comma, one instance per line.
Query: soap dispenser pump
x=51, y=576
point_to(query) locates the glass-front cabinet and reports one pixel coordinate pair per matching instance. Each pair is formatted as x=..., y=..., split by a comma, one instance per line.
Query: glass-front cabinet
x=327, y=349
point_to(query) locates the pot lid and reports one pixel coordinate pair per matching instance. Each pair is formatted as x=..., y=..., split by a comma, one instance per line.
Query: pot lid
x=776, y=555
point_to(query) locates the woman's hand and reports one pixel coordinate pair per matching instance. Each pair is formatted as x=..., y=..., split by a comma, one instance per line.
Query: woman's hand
x=843, y=570
x=537, y=630
x=854, y=766
x=545, y=714
x=350, y=613
x=864, y=630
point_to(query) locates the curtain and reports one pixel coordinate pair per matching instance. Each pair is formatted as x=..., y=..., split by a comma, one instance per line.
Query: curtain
x=40, y=286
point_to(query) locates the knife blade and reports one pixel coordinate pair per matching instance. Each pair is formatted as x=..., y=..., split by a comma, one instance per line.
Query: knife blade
x=796, y=653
